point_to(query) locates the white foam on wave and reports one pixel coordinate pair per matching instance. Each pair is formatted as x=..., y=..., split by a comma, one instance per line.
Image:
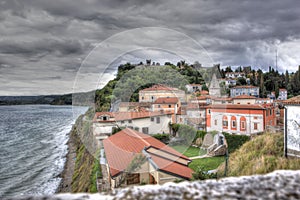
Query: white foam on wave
x=61, y=139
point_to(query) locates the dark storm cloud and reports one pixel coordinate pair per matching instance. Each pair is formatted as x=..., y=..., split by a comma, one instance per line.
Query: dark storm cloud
x=53, y=37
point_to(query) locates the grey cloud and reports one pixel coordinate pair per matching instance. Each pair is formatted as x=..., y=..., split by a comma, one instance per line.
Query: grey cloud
x=53, y=37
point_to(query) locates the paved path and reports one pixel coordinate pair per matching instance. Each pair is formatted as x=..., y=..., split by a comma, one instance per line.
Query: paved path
x=196, y=157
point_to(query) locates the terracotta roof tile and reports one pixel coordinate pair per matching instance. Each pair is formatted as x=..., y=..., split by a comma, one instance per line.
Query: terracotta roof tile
x=119, y=116
x=121, y=148
x=172, y=167
x=293, y=100
x=241, y=106
x=245, y=86
x=166, y=100
x=244, y=96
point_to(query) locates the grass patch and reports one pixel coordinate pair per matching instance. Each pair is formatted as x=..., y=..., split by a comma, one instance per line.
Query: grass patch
x=189, y=151
x=207, y=163
x=261, y=155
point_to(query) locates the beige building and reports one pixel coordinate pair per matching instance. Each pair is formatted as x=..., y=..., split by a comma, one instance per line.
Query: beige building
x=160, y=91
x=244, y=99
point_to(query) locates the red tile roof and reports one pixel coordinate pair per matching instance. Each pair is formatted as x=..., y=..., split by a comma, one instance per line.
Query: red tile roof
x=241, y=106
x=166, y=100
x=245, y=86
x=204, y=92
x=244, y=96
x=222, y=99
x=122, y=147
x=293, y=100
x=172, y=167
x=120, y=116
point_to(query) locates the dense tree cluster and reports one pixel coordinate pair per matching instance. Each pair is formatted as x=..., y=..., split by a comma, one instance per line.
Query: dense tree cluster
x=130, y=79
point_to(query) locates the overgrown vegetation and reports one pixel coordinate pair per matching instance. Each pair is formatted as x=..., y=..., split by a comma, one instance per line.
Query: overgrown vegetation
x=86, y=166
x=261, y=155
x=201, y=174
x=235, y=141
x=162, y=137
x=96, y=173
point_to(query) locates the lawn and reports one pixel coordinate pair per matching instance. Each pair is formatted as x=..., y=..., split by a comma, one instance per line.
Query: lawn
x=206, y=164
x=189, y=151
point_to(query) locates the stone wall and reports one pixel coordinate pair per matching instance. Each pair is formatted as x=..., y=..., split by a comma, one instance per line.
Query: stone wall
x=276, y=185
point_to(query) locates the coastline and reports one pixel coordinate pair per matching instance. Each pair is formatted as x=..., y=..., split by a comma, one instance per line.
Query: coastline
x=65, y=185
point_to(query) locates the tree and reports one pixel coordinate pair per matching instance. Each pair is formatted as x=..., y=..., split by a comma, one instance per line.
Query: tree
x=239, y=69
x=204, y=87
x=228, y=69
x=287, y=78
x=276, y=89
x=241, y=81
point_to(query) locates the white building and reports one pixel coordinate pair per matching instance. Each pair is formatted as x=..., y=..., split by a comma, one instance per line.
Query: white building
x=244, y=89
x=143, y=121
x=191, y=88
x=235, y=75
x=282, y=94
x=240, y=119
x=292, y=126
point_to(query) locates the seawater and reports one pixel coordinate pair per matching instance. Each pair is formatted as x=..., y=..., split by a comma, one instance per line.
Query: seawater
x=33, y=146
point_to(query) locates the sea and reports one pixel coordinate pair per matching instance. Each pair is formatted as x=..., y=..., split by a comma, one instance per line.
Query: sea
x=33, y=147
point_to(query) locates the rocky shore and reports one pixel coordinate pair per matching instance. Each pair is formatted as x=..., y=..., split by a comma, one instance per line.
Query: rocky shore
x=68, y=171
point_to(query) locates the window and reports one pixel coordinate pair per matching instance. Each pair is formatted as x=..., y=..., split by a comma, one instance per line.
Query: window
x=255, y=126
x=157, y=120
x=225, y=122
x=145, y=130
x=104, y=118
x=136, y=128
x=142, y=98
x=255, y=117
x=233, y=122
x=170, y=106
x=122, y=122
x=216, y=122
x=208, y=111
x=158, y=106
x=270, y=111
x=152, y=119
x=130, y=121
x=243, y=123
x=131, y=127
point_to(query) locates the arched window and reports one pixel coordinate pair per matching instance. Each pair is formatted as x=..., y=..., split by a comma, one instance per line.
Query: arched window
x=243, y=123
x=225, y=122
x=233, y=123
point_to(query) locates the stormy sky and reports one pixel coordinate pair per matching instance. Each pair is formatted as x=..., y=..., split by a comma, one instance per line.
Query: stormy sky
x=45, y=46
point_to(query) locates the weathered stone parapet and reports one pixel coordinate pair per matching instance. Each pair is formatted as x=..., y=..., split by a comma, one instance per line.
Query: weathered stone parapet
x=276, y=185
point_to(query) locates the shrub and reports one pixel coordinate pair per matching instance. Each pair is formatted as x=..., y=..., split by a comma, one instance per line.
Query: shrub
x=165, y=138
x=235, y=141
